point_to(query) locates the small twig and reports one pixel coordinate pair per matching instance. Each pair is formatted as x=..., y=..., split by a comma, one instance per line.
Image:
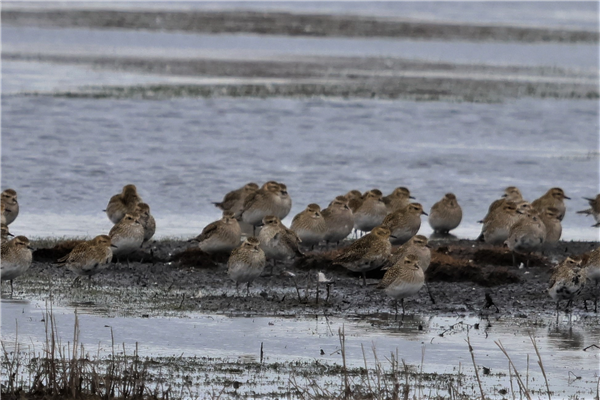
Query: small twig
x=475, y=366
x=590, y=346
x=540, y=364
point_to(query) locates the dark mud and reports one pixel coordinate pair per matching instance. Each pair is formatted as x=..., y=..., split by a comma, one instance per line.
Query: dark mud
x=279, y=23
x=172, y=277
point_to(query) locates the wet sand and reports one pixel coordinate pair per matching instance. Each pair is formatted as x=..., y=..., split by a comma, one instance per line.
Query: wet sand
x=293, y=24
x=173, y=277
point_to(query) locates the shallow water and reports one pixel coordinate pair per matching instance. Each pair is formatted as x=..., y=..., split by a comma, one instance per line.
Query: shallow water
x=442, y=339
x=66, y=157
x=147, y=44
x=571, y=14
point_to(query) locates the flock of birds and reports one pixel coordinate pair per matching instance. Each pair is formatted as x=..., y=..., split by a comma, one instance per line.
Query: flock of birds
x=511, y=221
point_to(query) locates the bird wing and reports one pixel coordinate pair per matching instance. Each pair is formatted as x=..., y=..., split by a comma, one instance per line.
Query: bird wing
x=208, y=231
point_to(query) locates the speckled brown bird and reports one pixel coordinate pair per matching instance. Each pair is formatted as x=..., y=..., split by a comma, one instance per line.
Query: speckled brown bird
x=419, y=246
x=404, y=279
x=5, y=233
x=246, y=263
x=355, y=199
x=127, y=235
x=123, y=203
x=404, y=223
x=339, y=220
x=526, y=235
x=265, y=201
x=399, y=198
x=591, y=289
x=90, y=257
x=221, y=236
x=553, y=198
x=277, y=241
x=511, y=193
x=16, y=259
x=310, y=226
x=446, y=214
x=553, y=225
x=566, y=282
x=497, y=227
x=142, y=211
x=367, y=253
x=594, y=209
x=371, y=212
x=285, y=201
x=234, y=200
x=11, y=206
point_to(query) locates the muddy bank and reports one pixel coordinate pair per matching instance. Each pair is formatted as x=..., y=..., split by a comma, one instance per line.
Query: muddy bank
x=280, y=23
x=172, y=277
x=341, y=77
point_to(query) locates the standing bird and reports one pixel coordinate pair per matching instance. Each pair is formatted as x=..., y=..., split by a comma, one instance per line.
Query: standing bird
x=526, y=235
x=404, y=279
x=592, y=274
x=127, y=235
x=221, y=236
x=89, y=258
x=11, y=205
x=553, y=198
x=16, y=258
x=277, y=241
x=263, y=202
x=399, y=198
x=497, y=226
x=553, y=225
x=445, y=215
x=310, y=226
x=511, y=193
x=339, y=220
x=566, y=282
x=371, y=213
x=594, y=209
x=367, y=253
x=285, y=201
x=404, y=223
x=246, y=263
x=123, y=203
x=142, y=210
x=234, y=200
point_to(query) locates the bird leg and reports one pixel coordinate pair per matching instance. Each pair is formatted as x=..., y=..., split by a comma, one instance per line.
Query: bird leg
x=396, y=308
x=402, y=302
x=364, y=276
x=514, y=257
x=248, y=289
x=11, y=288
x=429, y=292
x=237, y=288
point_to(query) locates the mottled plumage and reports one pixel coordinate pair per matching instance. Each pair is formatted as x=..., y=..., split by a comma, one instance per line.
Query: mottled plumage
x=309, y=225
x=404, y=279
x=142, y=211
x=511, y=193
x=16, y=258
x=277, y=241
x=355, y=200
x=591, y=270
x=11, y=206
x=566, y=281
x=339, y=220
x=553, y=225
x=418, y=246
x=367, y=253
x=497, y=227
x=246, y=263
x=123, y=203
x=404, y=223
x=127, y=235
x=259, y=204
x=446, y=214
x=234, y=200
x=89, y=258
x=553, y=198
x=223, y=235
x=371, y=212
x=5, y=233
x=526, y=235
x=399, y=198
x=594, y=209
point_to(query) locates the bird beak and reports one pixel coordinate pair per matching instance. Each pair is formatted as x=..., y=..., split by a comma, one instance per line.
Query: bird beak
x=588, y=199
x=504, y=195
x=428, y=246
x=568, y=198
x=412, y=197
x=394, y=237
x=424, y=213
x=112, y=245
x=30, y=248
x=10, y=234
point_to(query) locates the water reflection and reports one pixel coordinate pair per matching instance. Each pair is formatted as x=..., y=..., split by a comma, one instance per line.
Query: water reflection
x=566, y=338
